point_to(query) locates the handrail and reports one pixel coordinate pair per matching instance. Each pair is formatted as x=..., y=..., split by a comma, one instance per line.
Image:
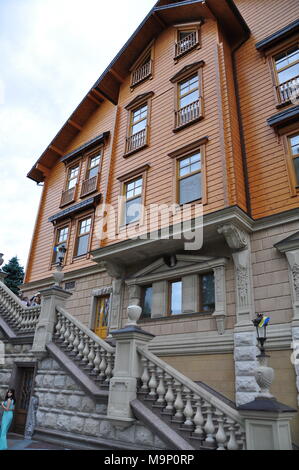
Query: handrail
x=86, y=330
x=22, y=318
x=195, y=388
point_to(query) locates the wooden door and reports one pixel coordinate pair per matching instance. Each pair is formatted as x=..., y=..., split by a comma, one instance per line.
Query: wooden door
x=23, y=398
x=101, y=317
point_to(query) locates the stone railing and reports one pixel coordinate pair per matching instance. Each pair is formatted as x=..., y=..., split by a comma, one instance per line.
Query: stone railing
x=23, y=320
x=218, y=425
x=85, y=346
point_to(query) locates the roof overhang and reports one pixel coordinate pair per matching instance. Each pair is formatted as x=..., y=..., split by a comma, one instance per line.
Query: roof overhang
x=162, y=15
x=284, y=118
x=278, y=37
x=100, y=139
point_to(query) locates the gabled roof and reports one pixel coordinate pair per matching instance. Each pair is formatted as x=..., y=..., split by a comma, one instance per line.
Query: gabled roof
x=162, y=15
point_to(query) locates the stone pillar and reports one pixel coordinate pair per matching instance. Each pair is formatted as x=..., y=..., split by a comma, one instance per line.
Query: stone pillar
x=116, y=304
x=127, y=369
x=159, y=305
x=190, y=293
x=290, y=247
x=3, y=275
x=244, y=337
x=117, y=272
x=51, y=298
x=267, y=424
x=220, y=298
x=293, y=260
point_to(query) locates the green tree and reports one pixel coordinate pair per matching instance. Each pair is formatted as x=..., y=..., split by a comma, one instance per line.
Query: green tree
x=15, y=274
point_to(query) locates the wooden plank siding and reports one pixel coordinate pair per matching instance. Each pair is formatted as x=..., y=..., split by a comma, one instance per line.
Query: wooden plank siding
x=267, y=171
x=266, y=165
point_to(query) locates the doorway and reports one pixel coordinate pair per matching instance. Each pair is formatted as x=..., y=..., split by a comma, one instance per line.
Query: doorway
x=101, y=316
x=24, y=383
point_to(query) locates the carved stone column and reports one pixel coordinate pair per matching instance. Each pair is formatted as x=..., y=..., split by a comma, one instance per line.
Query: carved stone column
x=293, y=260
x=118, y=273
x=245, y=350
x=239, y=242
x=220, y=298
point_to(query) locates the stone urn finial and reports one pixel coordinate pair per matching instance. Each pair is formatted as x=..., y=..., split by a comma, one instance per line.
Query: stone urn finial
x=1, y=260
x=58, y=276
x=264, y=376
x=134, y=313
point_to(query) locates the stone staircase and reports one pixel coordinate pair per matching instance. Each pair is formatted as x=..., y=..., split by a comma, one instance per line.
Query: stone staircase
x=185, y=414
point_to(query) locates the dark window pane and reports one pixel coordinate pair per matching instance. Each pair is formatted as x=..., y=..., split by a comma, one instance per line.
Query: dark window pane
x=93, y=172
x=296, y=164
x=133, y=210
x=208, y=292
x=190, y=189
x=147, y=302
x=176, y=298
x=82, y=245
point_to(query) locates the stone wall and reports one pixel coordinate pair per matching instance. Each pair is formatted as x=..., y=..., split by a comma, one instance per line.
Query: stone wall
x=216, y=370
x=65, y=409
x=13, y=352
x=272, y=292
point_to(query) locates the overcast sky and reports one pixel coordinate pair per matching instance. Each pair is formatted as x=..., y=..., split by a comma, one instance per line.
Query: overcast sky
x=51, y=53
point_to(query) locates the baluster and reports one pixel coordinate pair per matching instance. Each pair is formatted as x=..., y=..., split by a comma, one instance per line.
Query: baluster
x=67, y=333
x=153, y=382
x=97, y=360
x=58, y=325
x=232, y=443
x=86, y=349
x=188, y=410
x=178, y=404
x=71, y=338
x=169, y=397
x=220, y=435
x=108, y=371
x=91, y=354
x=161, y=388
x=62, y=329
x=198, y=418
x=103, y=365
x=80, y=346
x=76, y=341
x=145, y=375
x=209, y=426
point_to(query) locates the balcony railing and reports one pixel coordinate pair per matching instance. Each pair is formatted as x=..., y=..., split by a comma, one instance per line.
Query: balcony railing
x=68, y=196
x=289, y=90
x=88, y=186
x=189, y=113
x=136, y=141
x=186, y=44
x=141, y=73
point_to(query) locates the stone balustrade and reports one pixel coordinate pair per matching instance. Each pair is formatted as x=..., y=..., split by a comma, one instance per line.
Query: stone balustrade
x=82, y=344
x=22, y=319
x=214, y=422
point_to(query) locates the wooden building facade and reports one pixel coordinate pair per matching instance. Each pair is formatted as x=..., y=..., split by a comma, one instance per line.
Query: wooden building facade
x=199, y=108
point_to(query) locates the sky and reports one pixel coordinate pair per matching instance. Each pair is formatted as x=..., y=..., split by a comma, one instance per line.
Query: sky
x=51, y=53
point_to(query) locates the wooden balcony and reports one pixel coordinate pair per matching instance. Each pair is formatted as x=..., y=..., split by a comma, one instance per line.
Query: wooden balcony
x=136, y=141
x=188, y=114
x=289, y=90
x=89, y=186
x=141, y=73
x=68, y=196
x=186, y=44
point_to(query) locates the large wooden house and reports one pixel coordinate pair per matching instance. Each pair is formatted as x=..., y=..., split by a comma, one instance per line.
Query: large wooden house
x=195, y=120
